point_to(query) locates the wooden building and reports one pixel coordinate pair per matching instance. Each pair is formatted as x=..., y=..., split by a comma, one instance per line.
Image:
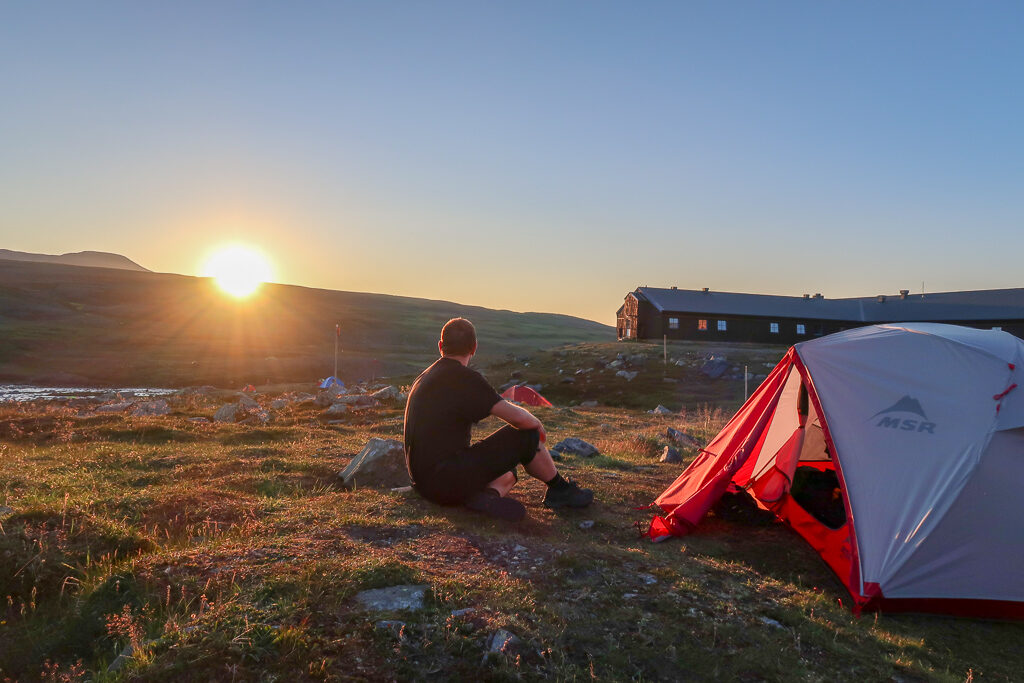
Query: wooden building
x=651, y=313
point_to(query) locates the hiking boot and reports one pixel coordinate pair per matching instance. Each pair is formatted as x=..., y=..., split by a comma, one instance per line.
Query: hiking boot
x=570, y=495
x=488, y=502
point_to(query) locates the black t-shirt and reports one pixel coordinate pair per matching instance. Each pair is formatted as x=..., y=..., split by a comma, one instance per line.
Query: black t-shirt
x=444, y=402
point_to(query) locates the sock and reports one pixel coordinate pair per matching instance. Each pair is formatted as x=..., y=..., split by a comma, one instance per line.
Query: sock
x=557, y=482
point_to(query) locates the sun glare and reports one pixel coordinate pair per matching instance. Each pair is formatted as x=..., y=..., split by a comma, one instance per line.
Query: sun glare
x=238, y=270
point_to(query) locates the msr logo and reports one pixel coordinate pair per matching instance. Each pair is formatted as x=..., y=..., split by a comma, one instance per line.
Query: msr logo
x=895, y=417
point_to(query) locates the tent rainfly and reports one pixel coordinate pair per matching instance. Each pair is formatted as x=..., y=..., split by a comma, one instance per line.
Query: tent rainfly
x=897, y=452
x=525, y=395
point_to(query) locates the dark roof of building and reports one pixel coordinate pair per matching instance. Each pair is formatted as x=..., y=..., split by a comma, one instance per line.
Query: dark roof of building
x=984, y=304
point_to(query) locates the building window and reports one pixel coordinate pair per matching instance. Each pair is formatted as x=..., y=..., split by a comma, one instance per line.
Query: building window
x=801, y=328
x=774, y=328
x=721, y=326
x=702, y=325
x=673, y=323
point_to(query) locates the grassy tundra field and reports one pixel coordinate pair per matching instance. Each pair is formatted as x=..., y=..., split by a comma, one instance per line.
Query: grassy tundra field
x=205, y=551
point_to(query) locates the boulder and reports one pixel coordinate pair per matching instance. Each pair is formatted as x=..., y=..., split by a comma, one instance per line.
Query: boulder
x=682, y=438
x=671, y=455
x=227, y=413
x=336, y=410
x=323, y=399
x=501, y=641
x=303, y=397
x=388, y=393
x=661, y=410
x=115, y=407
x=535, y=387
x=381, y=464
x=356, y=401
x=393, y=598
x=158, y=407
x=615, y=364
x=626, y=374
x=589, y=404
x=279, y=403
x=574, y=446
x=715, y=367
x=247, y=402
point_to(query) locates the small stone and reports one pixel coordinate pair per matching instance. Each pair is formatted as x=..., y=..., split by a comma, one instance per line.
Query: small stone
x=159, y=407
x=648, y=579
x=393, y=598
x=589, y=404
x=198, y=419
x=575, y=446
x=279, y=403
x=226, y=413
x=628, y=596
x=247, y=401
x=615, y=364
x=587, y=524
x=336, y=409
x=465, y=611
x=661, y=410
x=388, y=393
x=682, y=438
x=771, y=622
x=121, y=659
x=519, y=549
x=626, y=375
x=115, y=407
x=392, y=625
x=501, y=640
x=6, y=511
x=671, y=455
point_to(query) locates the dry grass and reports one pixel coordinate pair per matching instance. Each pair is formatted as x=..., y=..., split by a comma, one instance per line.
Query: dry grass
x=226, y=552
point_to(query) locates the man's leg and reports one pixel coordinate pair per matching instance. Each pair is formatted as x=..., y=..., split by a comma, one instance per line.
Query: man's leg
x=504, y=483
x=542, y=466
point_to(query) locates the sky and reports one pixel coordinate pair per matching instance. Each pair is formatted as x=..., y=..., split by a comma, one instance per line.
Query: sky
x=534, y=156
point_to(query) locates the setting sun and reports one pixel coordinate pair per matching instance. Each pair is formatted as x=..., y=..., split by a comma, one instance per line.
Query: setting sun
x=238, y=270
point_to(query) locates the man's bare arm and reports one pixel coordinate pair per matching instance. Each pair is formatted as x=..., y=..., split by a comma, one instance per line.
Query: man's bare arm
x=520, y=418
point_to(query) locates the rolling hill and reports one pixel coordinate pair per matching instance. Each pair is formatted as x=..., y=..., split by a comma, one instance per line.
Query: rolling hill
x=73, y=325
x=91, y=259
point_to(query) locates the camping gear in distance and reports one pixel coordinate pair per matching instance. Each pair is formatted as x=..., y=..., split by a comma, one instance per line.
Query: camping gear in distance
x=897, y=452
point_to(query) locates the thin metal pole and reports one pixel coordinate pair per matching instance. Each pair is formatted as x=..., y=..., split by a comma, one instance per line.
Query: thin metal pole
x=664, y=347
x=337, y=335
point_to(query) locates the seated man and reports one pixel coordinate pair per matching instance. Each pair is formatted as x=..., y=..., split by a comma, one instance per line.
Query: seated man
x=444, y=403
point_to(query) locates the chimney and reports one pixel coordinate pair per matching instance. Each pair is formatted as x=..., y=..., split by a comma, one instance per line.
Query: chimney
x=704, y=289
x=673, y=287
x=807, y=296
x=904, y=293
x=880, y=298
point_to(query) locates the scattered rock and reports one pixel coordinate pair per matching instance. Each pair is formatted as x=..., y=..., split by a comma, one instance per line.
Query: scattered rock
x=587, y=524
x=393, y=598
x=279, y=403
x=324, y=399
x=628, y=596
x=303, y=397
x=388, y=393
x=226, y=413
x=200, y=391
x=356, y=401
x=568, y=380
x=661, y=410
x=381, y=464
x=392, y=625
x=115, y=407
x=637, y=359
x=648, y=579
x=671, y=455
x=615, y=364
x=682, y=438
x=501, y=641
x=535, y=387
x=715, y=367
x=465, y=611
x=771, y=622
x=121, y=659
x=198, y=419
x=6, y=511
x=336, y=409
x=248, y=402
x=158, y=407
x=575, y=446
x=627, y=375
x=589, y=404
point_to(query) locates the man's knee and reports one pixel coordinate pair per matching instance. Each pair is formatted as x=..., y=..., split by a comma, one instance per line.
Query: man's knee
x=531, y=445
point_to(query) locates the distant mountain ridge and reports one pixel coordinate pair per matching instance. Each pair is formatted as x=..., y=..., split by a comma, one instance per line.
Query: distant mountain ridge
x=90, y=259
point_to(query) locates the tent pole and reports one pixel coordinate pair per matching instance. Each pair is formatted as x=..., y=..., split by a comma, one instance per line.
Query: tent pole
x=664, y=347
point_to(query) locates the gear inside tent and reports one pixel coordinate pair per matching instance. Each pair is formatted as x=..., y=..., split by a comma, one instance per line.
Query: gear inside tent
x=525, y=395
x=897, y=452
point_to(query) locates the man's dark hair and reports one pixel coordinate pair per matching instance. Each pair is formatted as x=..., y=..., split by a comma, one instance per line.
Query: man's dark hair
x=458, y=337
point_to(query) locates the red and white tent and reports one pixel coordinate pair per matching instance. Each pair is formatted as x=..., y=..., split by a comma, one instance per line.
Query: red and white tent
x=923, y=427
x=525, y=395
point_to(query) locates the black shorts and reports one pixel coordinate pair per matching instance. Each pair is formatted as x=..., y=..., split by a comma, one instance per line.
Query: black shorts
x=457, y=478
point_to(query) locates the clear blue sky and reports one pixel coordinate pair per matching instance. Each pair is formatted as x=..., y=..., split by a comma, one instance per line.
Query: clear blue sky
x=527, y=155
